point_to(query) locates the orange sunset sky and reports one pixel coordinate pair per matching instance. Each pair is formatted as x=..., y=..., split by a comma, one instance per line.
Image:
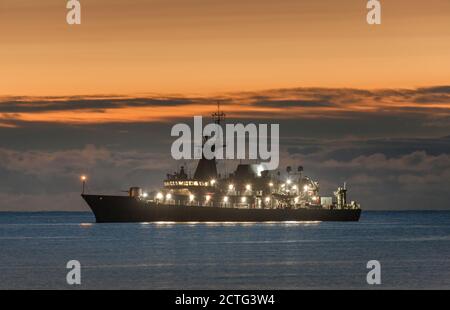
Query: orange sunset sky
x=211, y=46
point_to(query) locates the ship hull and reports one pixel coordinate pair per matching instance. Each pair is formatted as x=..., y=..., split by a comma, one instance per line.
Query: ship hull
x=116, y=209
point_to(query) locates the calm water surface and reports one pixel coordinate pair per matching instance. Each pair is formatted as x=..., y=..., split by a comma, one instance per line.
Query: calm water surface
x=413, y=248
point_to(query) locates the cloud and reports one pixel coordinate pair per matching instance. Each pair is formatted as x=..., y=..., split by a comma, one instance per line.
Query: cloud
x=56, y=172
x=435, y=89
x=297, y=103
x=40, y=179
x=419, y=162
x=94, y=103
x=293, y=103
x=391, y=146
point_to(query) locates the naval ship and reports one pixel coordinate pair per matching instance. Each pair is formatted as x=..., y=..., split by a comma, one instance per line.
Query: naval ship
x=249, y=194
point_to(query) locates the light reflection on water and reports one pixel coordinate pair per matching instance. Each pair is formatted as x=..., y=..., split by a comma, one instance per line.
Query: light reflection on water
x=247, y=224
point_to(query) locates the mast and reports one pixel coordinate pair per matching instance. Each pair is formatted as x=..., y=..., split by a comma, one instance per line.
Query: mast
x=219, y=115
x=207, y=168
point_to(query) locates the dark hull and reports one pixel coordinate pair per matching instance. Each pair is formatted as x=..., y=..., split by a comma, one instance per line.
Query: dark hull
x=110, y=209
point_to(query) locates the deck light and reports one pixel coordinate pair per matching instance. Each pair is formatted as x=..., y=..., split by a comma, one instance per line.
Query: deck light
x=83, y=180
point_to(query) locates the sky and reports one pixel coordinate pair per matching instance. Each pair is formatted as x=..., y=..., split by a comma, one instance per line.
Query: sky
x=367, y=105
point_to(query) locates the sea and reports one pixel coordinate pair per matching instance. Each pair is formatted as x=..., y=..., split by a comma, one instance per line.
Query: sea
x=412, y=248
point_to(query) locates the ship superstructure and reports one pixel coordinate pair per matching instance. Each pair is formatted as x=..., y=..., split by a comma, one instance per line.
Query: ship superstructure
x=248, y=187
